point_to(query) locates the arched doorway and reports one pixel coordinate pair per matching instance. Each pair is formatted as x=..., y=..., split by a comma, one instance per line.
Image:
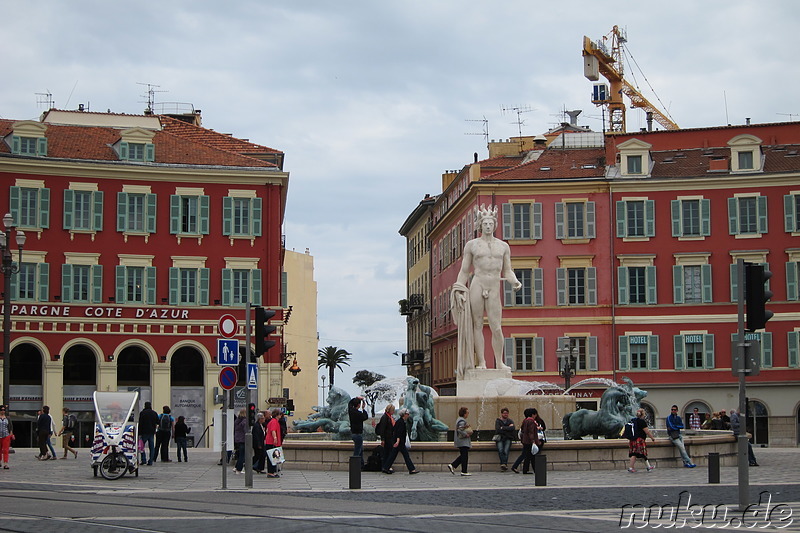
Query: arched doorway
x=702, y=410
x=187, y=384
x=133, y=372
x=758, y=422
x=25, y=376
x=80, y=382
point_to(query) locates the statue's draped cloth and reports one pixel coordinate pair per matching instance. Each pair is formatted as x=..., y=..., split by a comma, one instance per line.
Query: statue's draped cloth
x=462, y=316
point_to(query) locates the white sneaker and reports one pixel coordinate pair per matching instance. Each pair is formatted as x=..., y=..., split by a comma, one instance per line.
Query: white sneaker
x=651, y=468
x=451, y=469
x=465, y=474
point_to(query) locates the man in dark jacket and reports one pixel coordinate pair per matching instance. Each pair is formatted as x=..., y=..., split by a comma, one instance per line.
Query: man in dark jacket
x=398, y=444
x=674, y=427
x=148, y=422
x=43, y=429
x=258, y=444
x=357, y=414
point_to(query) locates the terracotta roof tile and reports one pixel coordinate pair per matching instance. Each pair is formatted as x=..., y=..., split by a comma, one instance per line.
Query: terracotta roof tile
x=558, y=164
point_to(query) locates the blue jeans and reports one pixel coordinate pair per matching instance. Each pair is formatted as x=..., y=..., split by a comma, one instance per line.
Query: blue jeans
x=180, y=443
x=678, y=442
x=239, y=456
x=503, y=447
x=147, y=438
x=358, y=446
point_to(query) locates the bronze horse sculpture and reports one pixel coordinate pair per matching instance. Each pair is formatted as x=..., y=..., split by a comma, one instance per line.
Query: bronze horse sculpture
x=618, y=405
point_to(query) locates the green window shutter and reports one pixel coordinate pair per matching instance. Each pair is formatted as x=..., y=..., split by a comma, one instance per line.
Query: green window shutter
x=149, y=152
x=44, y=208
x=650, y=285
x=43, y=270
x=733, y=216
x=590, y=220
x=591, y=286
x=652, y=348
x=257, y=216
x=591, y=355
x=708, y=351
x=97, y=206
x=791, y=280
x=734, y=283
x=150, y=203
x=621, y=218
x=174, y=214
x=762, y=214
x=121, y=286
x=97, y=283
x=705, y=278
x=507, y=222
x=14, y=201
x=66, y=283
x=705, y=217
x=227, y=281
x=41, y=146
x=559, y=220
x=650, y=218
x=538, y=287
x=789, y=216
x=677, y=284
x=123, y=150
x=69, y=202
x=150, y=285
x=509, y=352
x=675, y=208
x=204, y=274
x=204, y=213
x=794, y=348
x=622, y=281
x=255, y=287
x=766, y=349
x=538, y=354
x=227, y=216
x=174, y=285
x=536, y=221
x=561, y=285
x=122, y=211
x=678, y=349
x=16, y=144
x=623, y=352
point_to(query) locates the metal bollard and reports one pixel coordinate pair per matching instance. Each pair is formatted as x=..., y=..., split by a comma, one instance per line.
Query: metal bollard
x=355, y=472
x=713, y=467
x=540, y=470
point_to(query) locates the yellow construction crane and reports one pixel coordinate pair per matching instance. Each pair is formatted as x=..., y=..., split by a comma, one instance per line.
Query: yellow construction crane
x=599, y=59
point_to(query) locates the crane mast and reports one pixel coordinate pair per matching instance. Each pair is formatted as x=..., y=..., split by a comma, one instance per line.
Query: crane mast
x=599, y=59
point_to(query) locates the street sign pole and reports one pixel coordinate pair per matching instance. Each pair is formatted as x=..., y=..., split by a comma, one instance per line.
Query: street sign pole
x=252, y=398
x=223, y=439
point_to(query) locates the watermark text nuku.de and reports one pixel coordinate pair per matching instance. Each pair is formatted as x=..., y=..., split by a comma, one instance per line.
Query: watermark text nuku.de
x=685, y=514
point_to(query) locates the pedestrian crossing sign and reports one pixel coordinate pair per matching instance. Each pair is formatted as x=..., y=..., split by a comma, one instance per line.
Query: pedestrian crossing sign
x=252, y=375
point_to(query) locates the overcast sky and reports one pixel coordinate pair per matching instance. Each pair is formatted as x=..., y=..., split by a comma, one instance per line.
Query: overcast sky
x=372, y=100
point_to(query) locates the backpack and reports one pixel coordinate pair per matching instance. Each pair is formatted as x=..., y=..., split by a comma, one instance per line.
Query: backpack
x=165, y=423
x=72, y=423
x=375, y=460
x=628, y=430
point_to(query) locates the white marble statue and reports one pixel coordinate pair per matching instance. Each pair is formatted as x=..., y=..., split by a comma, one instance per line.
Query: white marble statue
x=490, y=260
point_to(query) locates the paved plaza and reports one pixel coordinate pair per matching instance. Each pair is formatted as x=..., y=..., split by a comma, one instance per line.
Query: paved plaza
x=188, y=497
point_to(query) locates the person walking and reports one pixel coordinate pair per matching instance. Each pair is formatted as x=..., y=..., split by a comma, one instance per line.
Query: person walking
x=529, y=434
x=239, y=436
x=462, y=440
x=181, y=433
x=53, y=454
x=6, y=436
x=259, y=438
x=504, y=433
x=736, y=427
x=674, y=427
x=542, y=428
x=637, y=446
x=399, y=444
x=148, y=423
x=69, y=425
x=272, y=440
x=44, y=425
x=166, y=429
x=385, y=430
x=357, y=416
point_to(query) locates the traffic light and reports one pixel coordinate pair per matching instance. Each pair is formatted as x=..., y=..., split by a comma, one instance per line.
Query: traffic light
x=756, y=296
x=263, y=331
x=251, y=413
x=290, y=406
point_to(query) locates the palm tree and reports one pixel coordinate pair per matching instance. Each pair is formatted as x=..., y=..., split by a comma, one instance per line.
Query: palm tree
x=332, y=358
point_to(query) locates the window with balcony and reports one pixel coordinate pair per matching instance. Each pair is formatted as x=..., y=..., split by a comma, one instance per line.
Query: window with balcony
x=638, y=352
x=694, y=351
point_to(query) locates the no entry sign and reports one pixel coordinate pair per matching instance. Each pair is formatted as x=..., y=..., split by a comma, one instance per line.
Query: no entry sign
x=227, y=326
x=227, y=377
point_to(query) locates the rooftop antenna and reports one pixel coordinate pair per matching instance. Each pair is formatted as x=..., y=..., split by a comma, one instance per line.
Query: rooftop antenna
x=151, y=96
x=485, y=131
x=518, y=110
x=790, y=115
x=45, y=99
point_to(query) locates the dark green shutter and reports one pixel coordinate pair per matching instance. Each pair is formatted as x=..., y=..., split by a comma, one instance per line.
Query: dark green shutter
x=791, y=280
x=733, y=216
x=204, y=209
x=227, y=218
x=561, y=285
x=150, y=206
x=705, y=217
x=762, y=214
x=174, y=285
x=66, y=283
x=623, y=352
x=538, y=354
x=591, y=286
x=97, y=283
x=559, y=220
x=41, y=146
x=708, y=351
x=590, y=220
x=255, y=283
x=675, y=207
x=677, y=284
x=257, y=216
x=174, y=214
x=678, y=346
x=536, y=221
x=44, y=281
x=122, y=211
x=538, y=287
x=508, y=229
x=705, y=278
x=150, y=285
x=203, y=289
x=69, y=208
x=227, y=281
x=789, y=216
x=44, y=208
x=120, y=280
x=650, y=218
x=652, y=348
x=149, y=152
x=97, y=207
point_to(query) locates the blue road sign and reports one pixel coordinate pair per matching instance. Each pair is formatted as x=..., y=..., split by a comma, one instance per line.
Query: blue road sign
x=228, y=352
x=252, y=375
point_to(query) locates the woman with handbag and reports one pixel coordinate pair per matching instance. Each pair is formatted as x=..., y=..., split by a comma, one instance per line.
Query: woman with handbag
x=529, y=434
x=504, y=432
x=6, y=436
x=273, y=440
x=399, y=444
x=462, y=440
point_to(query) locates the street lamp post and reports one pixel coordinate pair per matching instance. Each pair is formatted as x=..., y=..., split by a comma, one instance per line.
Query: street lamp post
x=566, y=362
x=9, y=268
x=323, y=388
